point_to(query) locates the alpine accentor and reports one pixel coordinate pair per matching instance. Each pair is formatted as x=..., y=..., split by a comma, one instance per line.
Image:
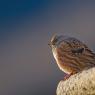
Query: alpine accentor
x=71, y=55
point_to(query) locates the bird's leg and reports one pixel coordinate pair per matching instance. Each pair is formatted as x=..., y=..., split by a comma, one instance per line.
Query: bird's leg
x=67, y=76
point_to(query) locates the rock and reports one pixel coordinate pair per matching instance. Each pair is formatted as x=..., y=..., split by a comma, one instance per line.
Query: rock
x=82, y=83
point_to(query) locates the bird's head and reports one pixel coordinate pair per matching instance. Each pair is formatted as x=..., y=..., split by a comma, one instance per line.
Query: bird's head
x=55, y=40
x=68, y=45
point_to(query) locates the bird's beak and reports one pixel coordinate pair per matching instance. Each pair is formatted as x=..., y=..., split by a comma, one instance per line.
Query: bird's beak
x=49, y=44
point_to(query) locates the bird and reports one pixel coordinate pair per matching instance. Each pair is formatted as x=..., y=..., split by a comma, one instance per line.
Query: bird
x=71, y=55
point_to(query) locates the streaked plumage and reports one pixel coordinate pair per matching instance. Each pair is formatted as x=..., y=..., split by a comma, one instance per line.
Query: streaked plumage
x=71, y=55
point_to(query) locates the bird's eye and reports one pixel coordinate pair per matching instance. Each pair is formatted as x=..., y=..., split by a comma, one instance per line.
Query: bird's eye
x=79, y=50
x=54, y=41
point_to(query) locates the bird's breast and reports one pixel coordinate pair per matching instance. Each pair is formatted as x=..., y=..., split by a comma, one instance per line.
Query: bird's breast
x=55, y=54
x=60, y=64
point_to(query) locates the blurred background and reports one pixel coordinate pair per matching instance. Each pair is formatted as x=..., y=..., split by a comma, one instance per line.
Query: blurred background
x=27, y=66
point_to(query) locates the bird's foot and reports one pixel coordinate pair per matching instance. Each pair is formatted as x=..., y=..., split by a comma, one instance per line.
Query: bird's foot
x=66, y=77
